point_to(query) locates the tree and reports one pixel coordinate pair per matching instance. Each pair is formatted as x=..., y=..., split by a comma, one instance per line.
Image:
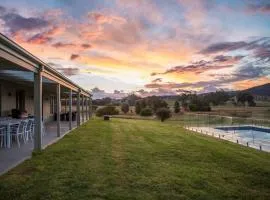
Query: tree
x=125, y=107
x=243, y=97
x=107, y=110
x=217, y=98
x=199, y=103
x=163, y=114
x=137, y=107
x=131, y=99
x=146, y=112
x=102, y=102
x=152, y=102
x=176, y=107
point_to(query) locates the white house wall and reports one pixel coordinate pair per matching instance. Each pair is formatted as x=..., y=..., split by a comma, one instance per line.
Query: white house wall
x=8, y=99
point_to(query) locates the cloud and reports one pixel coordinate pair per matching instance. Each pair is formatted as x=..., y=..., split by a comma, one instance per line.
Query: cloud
x=157, y=80
x=156, y=92
x=227, y=59
x=96, y=90
x=187, y=87
x=39, y=39
x=262, y=42
x=113, y=34
x=74, y=56
x=218, y=62
x=263, y=53
x=258, y=8
x=223, y=47
x=16, y=22
x=45, y=36
x=147, y=10
x=2, y=10
x=63, y=45
x=252, y=70
x=194, y=13
x=101, y=18
x=99, y=94
x=68, y=71
x=246, y=72
x=123, y=38
x=86, y=46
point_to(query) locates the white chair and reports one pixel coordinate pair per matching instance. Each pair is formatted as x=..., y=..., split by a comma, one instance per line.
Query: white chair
x=33, y=129
x=2, y=135
x=28, y=130
x=18, y=130
x=43, y=129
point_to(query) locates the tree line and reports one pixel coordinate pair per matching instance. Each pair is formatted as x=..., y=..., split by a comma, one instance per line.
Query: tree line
x=155, y=105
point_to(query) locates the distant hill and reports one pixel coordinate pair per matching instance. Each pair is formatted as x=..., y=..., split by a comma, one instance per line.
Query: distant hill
x=261, y=90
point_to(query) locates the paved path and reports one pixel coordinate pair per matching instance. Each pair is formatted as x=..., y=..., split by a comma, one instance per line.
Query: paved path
x=9, y=158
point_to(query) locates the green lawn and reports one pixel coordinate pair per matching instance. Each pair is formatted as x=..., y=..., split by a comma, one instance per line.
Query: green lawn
x=139, y=159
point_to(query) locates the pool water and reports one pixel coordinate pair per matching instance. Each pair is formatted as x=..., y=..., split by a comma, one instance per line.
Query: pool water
x=249, y=132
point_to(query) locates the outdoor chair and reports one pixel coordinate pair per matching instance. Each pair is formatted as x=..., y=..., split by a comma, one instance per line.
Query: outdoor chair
x=33, y=129
x=28, y=130
x=43, y=129
x=18, y=130
x=2, y=135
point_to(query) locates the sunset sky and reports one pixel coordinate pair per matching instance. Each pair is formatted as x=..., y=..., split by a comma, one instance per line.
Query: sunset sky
x=156, y=47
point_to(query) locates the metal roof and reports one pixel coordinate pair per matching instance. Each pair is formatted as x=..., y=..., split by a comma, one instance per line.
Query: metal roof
x=4, y=40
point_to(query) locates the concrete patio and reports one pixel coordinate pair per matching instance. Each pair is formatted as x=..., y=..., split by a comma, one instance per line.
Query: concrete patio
x=9, y=158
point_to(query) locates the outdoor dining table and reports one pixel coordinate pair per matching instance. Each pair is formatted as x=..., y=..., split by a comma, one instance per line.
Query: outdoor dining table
x=8, y=123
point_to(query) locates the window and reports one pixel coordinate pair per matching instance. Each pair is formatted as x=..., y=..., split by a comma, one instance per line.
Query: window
x=52, y=104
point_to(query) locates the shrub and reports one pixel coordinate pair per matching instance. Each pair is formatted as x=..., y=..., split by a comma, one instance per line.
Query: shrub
x=163, y=114
x=199, y=107
x=107, y=110
x=125, y=108
x=146, y=112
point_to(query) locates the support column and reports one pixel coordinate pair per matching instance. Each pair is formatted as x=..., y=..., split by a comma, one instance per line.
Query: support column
x=70, y=109
x=38, y=110
x=82, y=108
x=86, y=109
x=66, y=100
x=90, y=107
x=58, y=108
x=78, y=109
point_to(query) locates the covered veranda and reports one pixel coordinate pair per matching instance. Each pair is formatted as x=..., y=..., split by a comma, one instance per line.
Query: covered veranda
x=30, y=90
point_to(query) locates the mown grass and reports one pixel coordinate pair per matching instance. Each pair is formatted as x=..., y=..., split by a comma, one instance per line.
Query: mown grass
x=139, y=159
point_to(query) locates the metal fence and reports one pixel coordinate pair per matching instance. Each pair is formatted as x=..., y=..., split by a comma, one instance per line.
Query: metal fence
x=246, y=131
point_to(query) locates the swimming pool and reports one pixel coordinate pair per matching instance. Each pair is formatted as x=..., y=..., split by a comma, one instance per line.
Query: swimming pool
x=248, y=132
x=257, y=137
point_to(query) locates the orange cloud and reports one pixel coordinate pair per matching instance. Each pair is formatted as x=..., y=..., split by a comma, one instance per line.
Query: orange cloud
x=148, y=9
x=100, y=18
x=241, y=85
x=195, y=12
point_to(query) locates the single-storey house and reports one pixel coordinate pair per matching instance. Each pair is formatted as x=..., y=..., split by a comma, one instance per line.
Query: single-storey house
x=31, y=89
